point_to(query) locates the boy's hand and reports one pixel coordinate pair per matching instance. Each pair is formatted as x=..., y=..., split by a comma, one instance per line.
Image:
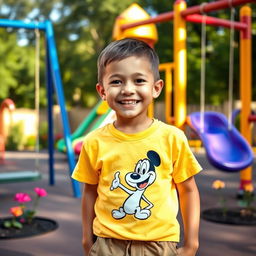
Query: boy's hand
x=116, y=181
x=87, y=247
x=186, y=251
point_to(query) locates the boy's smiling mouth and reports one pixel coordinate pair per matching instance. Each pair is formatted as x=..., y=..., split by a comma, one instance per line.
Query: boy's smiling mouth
x=128, y=102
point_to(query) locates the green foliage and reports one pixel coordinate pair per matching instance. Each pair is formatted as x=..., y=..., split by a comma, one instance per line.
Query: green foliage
x=16, y=70
x=237, y=122
x=15, y=139
x=43, y=135
x=13, y=223
x=247, y=199
x=30, y=142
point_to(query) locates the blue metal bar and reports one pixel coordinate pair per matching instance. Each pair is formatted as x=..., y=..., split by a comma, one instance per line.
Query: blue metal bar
x=55, y=73
x=22, y=24
x=50, y=92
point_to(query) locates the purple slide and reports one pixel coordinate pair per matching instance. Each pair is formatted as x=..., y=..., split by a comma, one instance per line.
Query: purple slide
x=226, y=149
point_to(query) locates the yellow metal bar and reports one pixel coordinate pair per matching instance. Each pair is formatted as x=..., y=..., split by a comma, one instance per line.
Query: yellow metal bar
x=245, y=86
x=167, y=68
x=180, y=62
x=151, y=110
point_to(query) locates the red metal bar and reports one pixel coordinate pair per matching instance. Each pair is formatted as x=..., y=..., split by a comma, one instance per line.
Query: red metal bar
x=252, y=118
x=197, y=18
x=213, y=6
x=206, y=7
x=159, y=18
x=6, y=104
x=246, y=34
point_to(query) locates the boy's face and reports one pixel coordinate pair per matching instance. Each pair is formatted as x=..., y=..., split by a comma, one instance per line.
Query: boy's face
x=129, y=87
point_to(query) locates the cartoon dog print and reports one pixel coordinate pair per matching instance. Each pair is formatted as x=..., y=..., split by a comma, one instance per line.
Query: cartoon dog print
x=141, y=178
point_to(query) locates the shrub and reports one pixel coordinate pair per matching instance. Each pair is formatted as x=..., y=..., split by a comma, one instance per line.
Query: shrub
x=15, y=138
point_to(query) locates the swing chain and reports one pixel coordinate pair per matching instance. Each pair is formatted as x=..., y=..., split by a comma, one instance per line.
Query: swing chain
x=231, y=66
x=37, y=93
x=203, y=68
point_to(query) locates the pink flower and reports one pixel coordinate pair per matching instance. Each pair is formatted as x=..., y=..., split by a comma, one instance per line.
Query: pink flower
x=40, y=192
x=16, y=211
x=22, y=197
x=22, y=220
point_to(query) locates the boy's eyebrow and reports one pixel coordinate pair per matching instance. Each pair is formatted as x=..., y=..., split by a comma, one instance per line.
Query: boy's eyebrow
x=139, y=74
x=114, y=75
x=120, y=75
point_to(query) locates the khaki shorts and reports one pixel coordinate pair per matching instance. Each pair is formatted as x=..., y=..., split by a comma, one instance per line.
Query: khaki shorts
x=115, y=247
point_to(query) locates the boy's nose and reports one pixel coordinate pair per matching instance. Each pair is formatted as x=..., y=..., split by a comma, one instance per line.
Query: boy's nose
x=128, y=88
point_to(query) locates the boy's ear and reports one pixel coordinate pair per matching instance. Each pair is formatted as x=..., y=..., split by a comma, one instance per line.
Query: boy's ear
x=158, y=86
x=101, y=91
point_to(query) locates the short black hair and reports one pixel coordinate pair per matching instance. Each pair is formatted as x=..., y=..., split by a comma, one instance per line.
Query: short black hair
x=124, y=48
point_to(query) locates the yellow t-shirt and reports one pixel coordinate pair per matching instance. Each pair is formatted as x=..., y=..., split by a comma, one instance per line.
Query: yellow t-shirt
x=136, y=176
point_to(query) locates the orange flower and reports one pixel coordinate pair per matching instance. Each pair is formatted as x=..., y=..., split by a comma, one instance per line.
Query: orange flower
x=218, y=184
x=16, y=211
x=248, y=187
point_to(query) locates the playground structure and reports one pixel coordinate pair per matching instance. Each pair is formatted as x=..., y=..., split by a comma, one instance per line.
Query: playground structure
x=98, y=116
x=53, y=84
x=237, y=155
x=180, y=16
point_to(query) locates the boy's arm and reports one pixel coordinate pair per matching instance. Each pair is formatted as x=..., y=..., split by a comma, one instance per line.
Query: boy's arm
x=190, y=210
x=88, y=215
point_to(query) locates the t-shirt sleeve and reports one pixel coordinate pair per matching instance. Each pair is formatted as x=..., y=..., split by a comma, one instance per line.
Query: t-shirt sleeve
x=86, y=169
x=185, y=164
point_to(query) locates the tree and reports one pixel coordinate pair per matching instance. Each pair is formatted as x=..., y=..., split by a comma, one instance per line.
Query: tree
x=83, y=28
x=16, y=70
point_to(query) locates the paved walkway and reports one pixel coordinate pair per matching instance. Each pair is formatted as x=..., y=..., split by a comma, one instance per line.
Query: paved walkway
x=215, y=239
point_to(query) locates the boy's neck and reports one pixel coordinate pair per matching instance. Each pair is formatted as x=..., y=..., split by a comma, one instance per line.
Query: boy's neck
x=132, y=125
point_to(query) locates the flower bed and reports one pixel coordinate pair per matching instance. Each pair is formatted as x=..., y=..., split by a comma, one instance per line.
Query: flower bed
x=235, y=216
x=24, y=221
x=245, y=214
x=37, y=226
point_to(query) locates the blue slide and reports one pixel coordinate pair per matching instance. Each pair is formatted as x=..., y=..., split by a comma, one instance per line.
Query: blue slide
x=226, y=148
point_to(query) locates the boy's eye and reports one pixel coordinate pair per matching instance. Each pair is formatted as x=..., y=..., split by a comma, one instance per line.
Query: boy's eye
x=116, y=82
x=140, y=81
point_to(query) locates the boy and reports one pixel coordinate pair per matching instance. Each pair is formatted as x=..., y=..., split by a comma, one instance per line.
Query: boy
x=133, y=168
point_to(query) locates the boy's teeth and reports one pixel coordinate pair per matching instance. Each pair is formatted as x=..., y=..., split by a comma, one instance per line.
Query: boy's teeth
x=129, y=102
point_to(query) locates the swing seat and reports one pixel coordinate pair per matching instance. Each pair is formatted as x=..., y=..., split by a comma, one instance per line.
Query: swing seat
x=12, y=177
x=226, y=149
